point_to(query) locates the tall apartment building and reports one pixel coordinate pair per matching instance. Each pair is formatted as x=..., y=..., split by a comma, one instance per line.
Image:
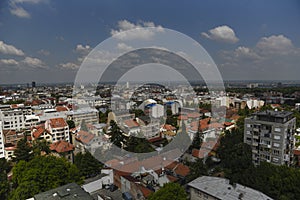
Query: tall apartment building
x=14, y=117
x=271, y=136
x=2, y=155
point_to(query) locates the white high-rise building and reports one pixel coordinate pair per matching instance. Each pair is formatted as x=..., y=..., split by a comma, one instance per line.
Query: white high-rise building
x=2, y=155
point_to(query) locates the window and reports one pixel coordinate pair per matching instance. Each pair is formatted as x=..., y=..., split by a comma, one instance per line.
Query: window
x=276, y=152
x=276, y=144
x=248, y=132
x=248, y=125
x=277, y=137
x=277, y=129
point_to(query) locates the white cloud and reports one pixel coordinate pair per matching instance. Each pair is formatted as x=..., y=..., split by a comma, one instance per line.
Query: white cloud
x=83, y=49
x=9, y=62
x=275, y=44
x=69, y=65
x=124, y=47
x=34, y=62
x=15, y=7
x=221, y=33
x=44, y=52
x=272, y=57
x=19, y=12
x=10, y=49
x=139, y=33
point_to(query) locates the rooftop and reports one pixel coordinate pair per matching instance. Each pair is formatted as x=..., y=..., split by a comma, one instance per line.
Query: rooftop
x=66, y=192
x=221, y=189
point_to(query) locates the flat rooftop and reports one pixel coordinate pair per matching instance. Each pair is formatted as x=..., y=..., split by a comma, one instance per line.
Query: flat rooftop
x=221, y=189
x=65, y=192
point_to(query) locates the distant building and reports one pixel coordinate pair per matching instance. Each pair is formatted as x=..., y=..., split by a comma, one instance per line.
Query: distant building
x=270, y=135
x=33, y=84
x=214, y=188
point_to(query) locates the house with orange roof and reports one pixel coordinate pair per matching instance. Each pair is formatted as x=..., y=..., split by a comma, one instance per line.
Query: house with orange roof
x=132, y=127
x=84, y=140
x=58, y=128
x=62, y=148
x=40, y=133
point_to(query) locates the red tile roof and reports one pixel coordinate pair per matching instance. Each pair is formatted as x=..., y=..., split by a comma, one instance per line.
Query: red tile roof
x=169, y=127
x=61, y=146
x=182, y=117
x=61, y=108
x=40, y=130
x=58, y=123
x=84, y=137
x=179, y=168
x=131, y=123
x=146, y=192
x=193, y=115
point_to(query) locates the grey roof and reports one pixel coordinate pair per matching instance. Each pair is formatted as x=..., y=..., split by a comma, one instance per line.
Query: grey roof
x=65, y=192
x=221, y=189
x=274, y=113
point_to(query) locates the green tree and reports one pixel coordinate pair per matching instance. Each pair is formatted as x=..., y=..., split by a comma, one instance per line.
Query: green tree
x=40, y=174
x=71, y=123
x=4, y=185
x=40, y=146
x=88, y=165
x=23, y=151
x=138, y=145
x=116, y=135
x=169, y=191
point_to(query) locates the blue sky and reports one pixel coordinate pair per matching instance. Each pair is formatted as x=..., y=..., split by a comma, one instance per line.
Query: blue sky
x=45, y=40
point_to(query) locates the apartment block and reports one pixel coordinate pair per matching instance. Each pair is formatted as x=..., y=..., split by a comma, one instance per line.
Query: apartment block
x=271, y=136
x=58, y=128
x=13, y=117
x=2, y=155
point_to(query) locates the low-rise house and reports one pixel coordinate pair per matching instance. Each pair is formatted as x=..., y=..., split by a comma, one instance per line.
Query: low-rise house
x=62, y=149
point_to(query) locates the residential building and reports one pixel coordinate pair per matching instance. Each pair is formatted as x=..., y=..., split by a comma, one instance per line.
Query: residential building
x=214, y=188
x=62, y=149
x=271, y=136
x=13, y=117
x=2, y=155
x=69, y=191
x=89, y=115
x=58, y=128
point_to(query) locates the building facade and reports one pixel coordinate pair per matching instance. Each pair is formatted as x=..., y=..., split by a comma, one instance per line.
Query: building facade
x=2, y=155
x=271, y=136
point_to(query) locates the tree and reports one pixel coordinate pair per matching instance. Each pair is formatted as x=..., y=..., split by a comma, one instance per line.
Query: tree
x=71, y=123
x=4, y=185
x=23, y=151
x=88, y=165
x=40, y=146
x=169, y=191
x=197, y=141
x=138, y=145
x=40, y=174
x=116, y=135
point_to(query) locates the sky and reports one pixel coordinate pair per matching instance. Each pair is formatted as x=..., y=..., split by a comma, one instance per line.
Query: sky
x=47, y=40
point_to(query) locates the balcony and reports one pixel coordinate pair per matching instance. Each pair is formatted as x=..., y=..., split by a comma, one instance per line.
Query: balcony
x=255, y=137
x=255, y=144
x=254, y=151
